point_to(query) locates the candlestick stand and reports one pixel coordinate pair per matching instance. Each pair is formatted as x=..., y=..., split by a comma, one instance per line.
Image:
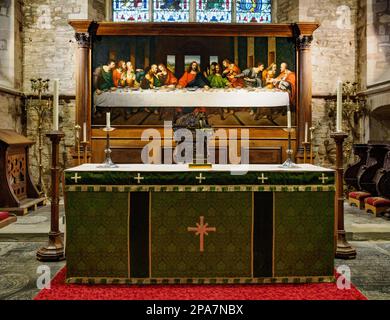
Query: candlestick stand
x=343, y=249
x=85, y=150
x=77, y=130
x=107, y=161
x=305, y=144
x=289, y=163
x=54, y=251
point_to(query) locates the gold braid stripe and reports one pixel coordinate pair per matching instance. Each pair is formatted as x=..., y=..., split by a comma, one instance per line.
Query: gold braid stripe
x=147, y=281
x=205, y=188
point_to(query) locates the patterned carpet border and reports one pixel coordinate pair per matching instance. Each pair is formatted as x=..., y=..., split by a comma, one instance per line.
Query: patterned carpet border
x=284, y=291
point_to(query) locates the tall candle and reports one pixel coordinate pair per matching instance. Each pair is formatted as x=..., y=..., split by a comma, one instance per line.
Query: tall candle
x=108, y=124
x=84, y=132
x=55, y=104
x=289, y=119
x=306, y=132
x=339, y=114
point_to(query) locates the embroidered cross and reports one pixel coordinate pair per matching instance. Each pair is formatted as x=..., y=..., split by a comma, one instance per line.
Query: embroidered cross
x=200, y=178
x=138, y=178
x=262, y=178
x=76, y=177
x=201, y=229
x=323, y=178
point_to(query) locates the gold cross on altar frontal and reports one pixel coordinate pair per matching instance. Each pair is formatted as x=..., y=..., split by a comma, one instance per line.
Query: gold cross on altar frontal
x=262, y=178
x=76, y=177
x=200, y=178
x=138, y=178
x=201, y=229
x=323, y=178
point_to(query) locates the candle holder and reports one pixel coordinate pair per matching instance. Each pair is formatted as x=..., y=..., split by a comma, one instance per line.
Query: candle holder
x=343, y=249
x=289, y=163
x=54, y=250
x=77, y=130
x=85, y=151
x=108, y=162
x=305, y=147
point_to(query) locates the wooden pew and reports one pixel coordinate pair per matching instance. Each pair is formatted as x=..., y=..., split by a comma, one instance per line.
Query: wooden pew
x=351, y=174
x=376, y=156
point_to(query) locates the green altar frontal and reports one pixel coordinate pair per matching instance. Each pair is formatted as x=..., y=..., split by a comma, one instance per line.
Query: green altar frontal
x=152, y=224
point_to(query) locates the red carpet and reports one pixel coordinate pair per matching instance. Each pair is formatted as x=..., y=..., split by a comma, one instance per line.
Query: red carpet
x=322, y=291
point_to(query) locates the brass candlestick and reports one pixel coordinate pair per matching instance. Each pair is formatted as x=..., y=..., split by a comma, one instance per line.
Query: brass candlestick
x=305, y=145
x=77, y=130
x=289, y=163
x=85, y=150
x=40, y=86
x=107, y=161
x=311, y=129
x=54, y=251
x=343, y=249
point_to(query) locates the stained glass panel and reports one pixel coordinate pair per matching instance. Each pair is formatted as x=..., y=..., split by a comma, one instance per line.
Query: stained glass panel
x=214, y=11
x=171, y=10
x=253, y=11
x=130, y=10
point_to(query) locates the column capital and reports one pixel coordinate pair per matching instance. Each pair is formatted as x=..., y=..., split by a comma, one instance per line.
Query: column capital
x=83, y=39
x=304, y=42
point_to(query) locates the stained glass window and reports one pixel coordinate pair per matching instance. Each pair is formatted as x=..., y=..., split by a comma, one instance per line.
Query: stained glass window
x=214, y=11
x=171, y=10
x=131, y=10
x=253, y=11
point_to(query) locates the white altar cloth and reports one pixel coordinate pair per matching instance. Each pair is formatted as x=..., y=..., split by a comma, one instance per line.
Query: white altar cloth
x=199, y=98
x=184, y=168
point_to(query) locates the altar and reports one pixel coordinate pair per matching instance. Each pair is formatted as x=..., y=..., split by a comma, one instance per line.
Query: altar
x=167, y=224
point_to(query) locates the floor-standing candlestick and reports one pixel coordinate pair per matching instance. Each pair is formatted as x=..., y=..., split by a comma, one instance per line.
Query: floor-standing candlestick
x=54, y=251
x=343, y=249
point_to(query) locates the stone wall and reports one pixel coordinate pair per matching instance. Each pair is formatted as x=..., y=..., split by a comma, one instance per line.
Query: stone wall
x=12, y=111
x=50, y=52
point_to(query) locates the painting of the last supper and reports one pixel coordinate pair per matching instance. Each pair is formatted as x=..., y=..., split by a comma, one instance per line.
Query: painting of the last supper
x=145, y=81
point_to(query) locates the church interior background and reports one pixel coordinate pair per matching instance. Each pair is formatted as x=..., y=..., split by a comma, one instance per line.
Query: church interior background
x=75, y=61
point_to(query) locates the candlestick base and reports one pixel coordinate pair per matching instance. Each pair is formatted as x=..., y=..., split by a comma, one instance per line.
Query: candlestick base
x=289, y=163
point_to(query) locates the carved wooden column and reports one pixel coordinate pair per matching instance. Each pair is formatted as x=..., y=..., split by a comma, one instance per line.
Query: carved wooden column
x=304, y=89
x=83, y=113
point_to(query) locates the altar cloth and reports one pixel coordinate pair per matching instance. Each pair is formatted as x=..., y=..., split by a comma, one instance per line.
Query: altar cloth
x=183, y=98
x=147, y=224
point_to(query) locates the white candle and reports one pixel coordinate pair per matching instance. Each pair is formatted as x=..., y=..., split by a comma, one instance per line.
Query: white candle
x=339, y=114
x=55, y=104
x=108, y=124
x=84, y=132
x=306, y=132
x=289, y=119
